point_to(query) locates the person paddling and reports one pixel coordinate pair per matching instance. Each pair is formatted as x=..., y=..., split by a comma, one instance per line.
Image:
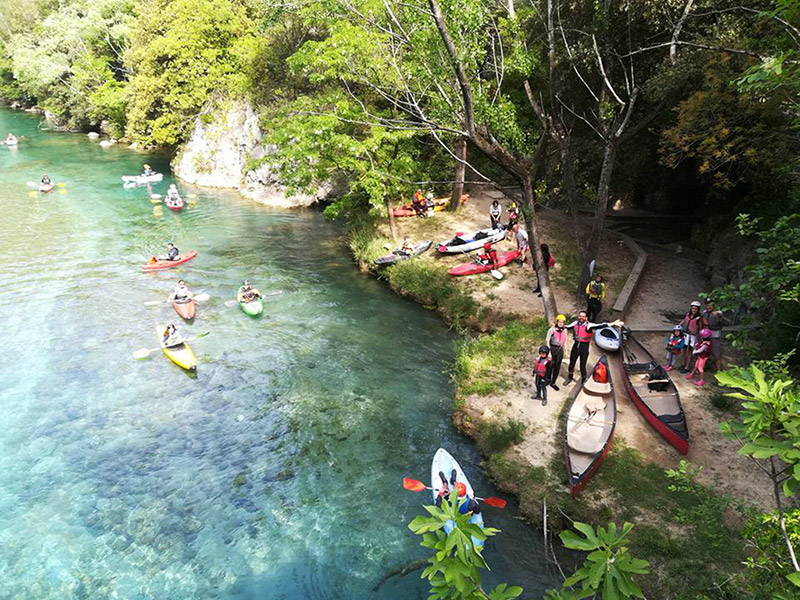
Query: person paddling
x=46, y=180
x=147, y=171
x=11, y=138
x=171, y=337
x=581, y=331
x=247, y=293
x=172, y=194
x=556, y=340
x=180, y=293
x=172, y=253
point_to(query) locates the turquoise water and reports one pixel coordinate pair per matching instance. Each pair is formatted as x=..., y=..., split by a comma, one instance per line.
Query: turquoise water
x=275, y=471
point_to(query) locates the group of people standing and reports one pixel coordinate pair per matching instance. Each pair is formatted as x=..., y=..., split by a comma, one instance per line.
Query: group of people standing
x=697, y=337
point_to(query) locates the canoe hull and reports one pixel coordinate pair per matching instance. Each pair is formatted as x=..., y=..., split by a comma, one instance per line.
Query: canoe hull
x=678, y=434
x=470, y=242
x=254, y=308
x=181, y=355
x=185, y=310
x=395, y=256
x=443, y=461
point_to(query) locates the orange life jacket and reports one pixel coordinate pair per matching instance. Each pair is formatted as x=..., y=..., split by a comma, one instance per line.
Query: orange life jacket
x=540, y=367
x=582, y=332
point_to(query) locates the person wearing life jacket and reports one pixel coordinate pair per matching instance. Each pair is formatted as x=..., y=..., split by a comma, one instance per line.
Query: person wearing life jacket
x=702, y=352
x=542, y=371
x=595, y=293
x=714, y=321
x=513, y=215
x=180, y=293
x=675, y=345
x=444, y=491
x=46, y=180
x=692, y=324
x=247, y=293
x=466, y=504
x=582, y=337
x=556, y=340
x=11, y=139
x=147, y=171
x=406, y=249
x=172, y=253
x=418, y=203
x=495, y=210
x=172, y=194
x=171, y=337
x=489, y=256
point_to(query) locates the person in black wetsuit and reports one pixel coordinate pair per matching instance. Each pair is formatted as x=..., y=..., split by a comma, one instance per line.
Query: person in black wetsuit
x=172, y=253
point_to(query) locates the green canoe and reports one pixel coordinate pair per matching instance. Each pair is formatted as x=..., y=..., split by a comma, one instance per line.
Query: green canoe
x=254, y=308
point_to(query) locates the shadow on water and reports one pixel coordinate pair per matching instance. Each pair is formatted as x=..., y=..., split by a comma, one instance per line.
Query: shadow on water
x=275, y=470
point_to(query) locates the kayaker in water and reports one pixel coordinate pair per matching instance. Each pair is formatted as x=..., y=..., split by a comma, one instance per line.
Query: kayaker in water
x=595, y=293
x=557, y=340
x=489, y=256
x=180, y=292
x=46, y=180
x=172, y=253
x=466, y=504
x=171, y=337
x=581, y=331
x=11, y=138
x=247, y=293
x=147, y=171
x=172, y=194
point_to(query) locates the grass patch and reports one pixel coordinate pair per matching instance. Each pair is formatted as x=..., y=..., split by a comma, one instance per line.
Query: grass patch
x=432, y=286
x=571, y=263
x=496, y=437
x=362, y=239
x=480, y=366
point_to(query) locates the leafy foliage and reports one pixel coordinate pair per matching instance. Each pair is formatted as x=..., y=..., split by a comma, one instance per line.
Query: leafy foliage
x=609, y=568
x=768, y=568
x=455, y=568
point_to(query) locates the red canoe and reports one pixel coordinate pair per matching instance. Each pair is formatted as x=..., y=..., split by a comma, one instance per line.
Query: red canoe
x=166, y=264
x=471, y=268
x=174, y=205
x=186, y=310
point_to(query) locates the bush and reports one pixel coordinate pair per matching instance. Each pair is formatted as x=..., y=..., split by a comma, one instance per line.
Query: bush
x=433, y=287
x=496, y=437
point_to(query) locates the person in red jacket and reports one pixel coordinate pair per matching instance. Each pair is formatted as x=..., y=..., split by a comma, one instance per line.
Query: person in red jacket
x=581, y=332
x=702, y=352
x=692, y=323
x=557, y=340
x=489, y=256
x=541, y=374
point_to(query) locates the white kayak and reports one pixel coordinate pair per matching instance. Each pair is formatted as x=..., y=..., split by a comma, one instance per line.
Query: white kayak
x=142, y=179
x=467, y=242
x=444, y=462
x=607, y=338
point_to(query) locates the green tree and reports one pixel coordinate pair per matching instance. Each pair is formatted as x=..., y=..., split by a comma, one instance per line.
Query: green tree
x=183, y=53
x=455, y=568
x=609, y=568
x=769, y=434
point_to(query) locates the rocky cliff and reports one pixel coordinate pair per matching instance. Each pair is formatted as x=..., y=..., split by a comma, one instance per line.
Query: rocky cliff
x=223, y=142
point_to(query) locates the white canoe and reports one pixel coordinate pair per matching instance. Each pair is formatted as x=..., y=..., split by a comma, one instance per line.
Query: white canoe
x=444, y=462
x=467, y=242
x=142, y=179
x=607, y=338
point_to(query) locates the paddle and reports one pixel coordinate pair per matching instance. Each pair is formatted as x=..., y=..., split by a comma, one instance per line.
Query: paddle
x=235, y=302
x=198, y=298
x=145, y=352
x=496, y=274
x=417, y=486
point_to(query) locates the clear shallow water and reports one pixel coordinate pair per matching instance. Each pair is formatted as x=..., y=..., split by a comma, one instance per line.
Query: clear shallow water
x=275, y=472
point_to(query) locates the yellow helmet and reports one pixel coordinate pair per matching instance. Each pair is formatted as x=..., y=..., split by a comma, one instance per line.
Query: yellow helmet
x=561, y=318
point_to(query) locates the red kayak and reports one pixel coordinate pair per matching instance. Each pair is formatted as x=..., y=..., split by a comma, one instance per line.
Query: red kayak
x=155, y=265
x=174, y=204
x=471, y=268
x=185, y=309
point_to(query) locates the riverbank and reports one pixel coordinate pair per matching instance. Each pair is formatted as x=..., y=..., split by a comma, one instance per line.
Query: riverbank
x=521, y=439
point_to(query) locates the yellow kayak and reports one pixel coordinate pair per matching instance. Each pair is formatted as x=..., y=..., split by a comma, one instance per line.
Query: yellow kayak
x=181, y=354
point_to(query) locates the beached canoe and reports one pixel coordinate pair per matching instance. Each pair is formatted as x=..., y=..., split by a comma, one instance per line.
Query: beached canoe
x=467, y=242
x=444, y=462
x=166, y=264
x=590, y=426
x=396, y=255
x=181, y=354
x=471, y=268
x=439, y=204
x=653, y=392
x=607, y=338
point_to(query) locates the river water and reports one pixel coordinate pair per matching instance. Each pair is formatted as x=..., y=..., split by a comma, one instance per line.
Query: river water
x=275, y=471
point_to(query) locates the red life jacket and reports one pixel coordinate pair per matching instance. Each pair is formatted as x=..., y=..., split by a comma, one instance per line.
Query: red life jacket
x=558, y=338
x=705, y=349
x=582, y=332
x=540, y=368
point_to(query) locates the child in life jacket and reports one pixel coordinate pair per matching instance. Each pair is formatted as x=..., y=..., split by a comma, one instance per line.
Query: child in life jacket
x=675, y=345
x=702, y=351
x=541, y=374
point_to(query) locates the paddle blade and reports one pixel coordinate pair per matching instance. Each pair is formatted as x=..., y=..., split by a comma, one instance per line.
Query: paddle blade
x=496, y=274
x=496, y=502
x=153, y=302
x=140, y=354
x=413, y=485
x=61, y=184
x=191, y=195
x=201, y=297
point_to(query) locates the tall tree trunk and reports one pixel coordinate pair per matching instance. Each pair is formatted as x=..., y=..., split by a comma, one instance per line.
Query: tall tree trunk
x=460, y=150
x=548, y=298
x=392, y=225
x=776, y=489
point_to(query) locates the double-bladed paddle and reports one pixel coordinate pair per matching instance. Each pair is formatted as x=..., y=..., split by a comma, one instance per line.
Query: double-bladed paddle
x=417, y=486
x=145, y=352
x=198, y=298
